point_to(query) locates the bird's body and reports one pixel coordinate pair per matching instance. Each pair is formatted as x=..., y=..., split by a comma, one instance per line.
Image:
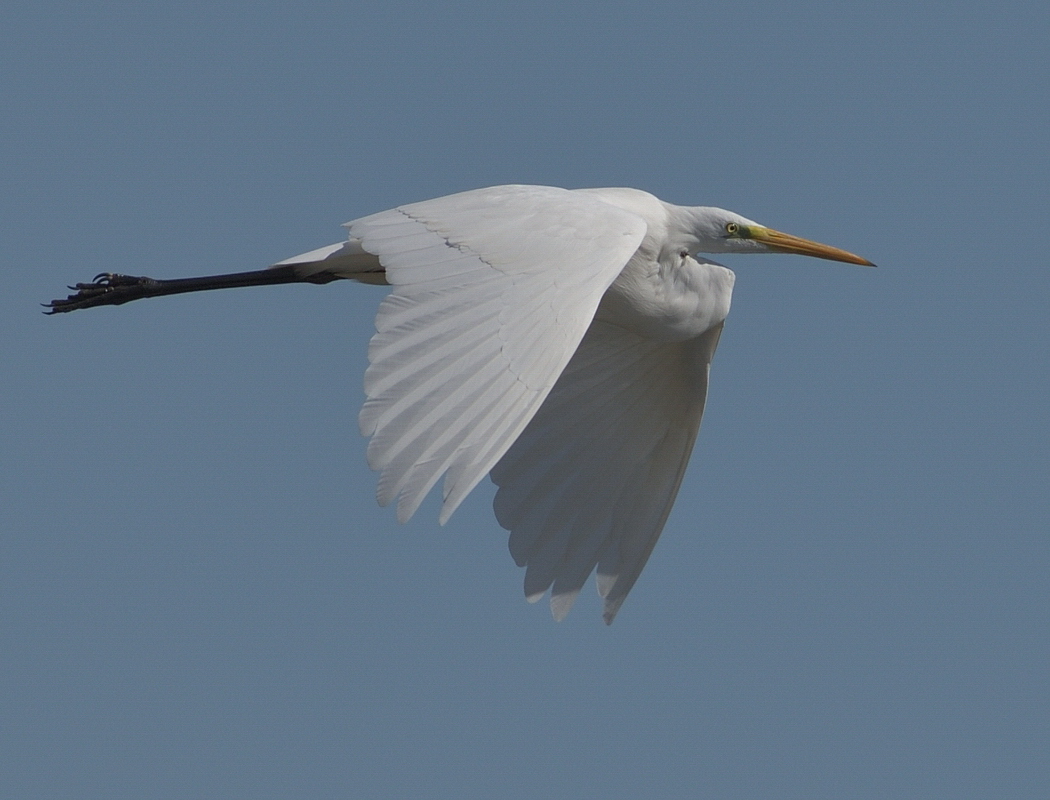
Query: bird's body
x=664, y=292
x=560, y=339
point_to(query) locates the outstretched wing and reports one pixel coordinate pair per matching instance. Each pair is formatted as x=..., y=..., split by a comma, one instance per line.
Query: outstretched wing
x=492, y=291
x=591, y=480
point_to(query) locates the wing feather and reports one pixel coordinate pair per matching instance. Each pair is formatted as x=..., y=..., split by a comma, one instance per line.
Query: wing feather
x=592, y=479
x=492, y=292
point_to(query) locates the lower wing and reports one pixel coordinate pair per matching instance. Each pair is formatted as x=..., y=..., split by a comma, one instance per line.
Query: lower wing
x=591, y=480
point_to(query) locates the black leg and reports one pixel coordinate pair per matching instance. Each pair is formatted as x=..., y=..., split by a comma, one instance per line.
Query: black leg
x=111, y=289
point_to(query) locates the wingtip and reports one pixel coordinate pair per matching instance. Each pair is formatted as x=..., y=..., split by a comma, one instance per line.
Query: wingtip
x=562, y=603
x=611, y=610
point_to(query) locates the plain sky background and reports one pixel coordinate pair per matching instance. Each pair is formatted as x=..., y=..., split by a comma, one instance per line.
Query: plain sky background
x=200, y=597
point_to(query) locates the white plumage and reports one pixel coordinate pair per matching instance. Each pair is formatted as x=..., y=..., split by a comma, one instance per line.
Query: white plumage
x=559, y=339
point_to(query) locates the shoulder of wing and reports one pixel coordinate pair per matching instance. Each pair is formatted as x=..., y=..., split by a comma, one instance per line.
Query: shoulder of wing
x=514, y=217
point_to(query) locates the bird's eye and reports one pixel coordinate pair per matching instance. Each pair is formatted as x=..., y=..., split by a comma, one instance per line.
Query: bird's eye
x=732, y=228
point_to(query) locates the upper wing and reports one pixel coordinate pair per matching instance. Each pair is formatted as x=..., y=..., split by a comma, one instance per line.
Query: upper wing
x=493, y=290
x=591, y=480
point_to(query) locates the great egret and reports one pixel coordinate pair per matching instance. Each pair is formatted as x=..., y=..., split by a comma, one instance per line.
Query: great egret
x=559, y=339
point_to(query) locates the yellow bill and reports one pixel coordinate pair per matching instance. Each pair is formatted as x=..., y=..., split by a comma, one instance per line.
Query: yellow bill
x=786, y=243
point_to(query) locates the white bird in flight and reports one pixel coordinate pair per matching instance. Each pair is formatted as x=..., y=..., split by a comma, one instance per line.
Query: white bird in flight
x=558, y=339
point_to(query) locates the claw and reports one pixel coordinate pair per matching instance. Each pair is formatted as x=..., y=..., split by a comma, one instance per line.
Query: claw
x=106, y=288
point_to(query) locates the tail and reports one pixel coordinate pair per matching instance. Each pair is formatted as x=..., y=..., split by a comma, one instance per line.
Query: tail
x=342, y=260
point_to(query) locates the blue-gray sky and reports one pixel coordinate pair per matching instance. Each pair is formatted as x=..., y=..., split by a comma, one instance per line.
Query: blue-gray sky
x=199, y=594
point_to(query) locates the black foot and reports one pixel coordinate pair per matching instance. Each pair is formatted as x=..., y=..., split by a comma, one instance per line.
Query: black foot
x=107, y=289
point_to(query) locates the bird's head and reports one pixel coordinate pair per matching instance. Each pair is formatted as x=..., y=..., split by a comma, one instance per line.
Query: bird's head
x=721, y=231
